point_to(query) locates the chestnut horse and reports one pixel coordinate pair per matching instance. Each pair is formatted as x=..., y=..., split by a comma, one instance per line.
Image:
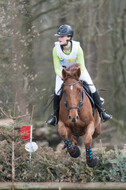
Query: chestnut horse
x=75, y=116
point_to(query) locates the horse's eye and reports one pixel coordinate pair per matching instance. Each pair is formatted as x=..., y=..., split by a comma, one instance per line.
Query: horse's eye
x=79, y=90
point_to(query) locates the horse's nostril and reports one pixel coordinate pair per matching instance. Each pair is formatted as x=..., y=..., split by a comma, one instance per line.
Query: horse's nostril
x=73, y=119
x=76, y=118
x=70, y=118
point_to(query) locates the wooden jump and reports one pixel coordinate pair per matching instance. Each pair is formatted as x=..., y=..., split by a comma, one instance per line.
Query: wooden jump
x=63, y=186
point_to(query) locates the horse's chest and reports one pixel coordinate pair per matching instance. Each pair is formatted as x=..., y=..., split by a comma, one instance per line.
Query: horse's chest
x=77, y=128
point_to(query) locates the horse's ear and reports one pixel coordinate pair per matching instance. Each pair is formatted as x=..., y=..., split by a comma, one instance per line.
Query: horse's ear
x=64, y=73
x=78, y=72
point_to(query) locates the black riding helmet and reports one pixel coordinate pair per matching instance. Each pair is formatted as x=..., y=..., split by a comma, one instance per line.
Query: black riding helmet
x=65, y=30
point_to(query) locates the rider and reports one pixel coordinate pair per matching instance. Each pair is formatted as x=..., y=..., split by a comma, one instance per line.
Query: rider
x=65, y=53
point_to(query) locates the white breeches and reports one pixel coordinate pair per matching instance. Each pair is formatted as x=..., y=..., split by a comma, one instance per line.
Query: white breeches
x=85, y=77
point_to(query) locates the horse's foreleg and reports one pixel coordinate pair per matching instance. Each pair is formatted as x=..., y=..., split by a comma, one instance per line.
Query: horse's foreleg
x=97, y=131
x=90, y=158
x=63, y=131
x=65, y=134
x=88, y=135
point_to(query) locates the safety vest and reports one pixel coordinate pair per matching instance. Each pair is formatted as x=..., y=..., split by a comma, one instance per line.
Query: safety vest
x=67, y=60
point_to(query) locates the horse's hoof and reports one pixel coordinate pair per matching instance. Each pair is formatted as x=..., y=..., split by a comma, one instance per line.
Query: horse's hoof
x=92, y=162
x=75, y=152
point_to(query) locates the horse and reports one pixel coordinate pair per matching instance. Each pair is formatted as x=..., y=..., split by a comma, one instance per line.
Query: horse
x=75, y=116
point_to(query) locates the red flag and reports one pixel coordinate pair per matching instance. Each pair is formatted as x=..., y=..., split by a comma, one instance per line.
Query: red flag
x=25, y=131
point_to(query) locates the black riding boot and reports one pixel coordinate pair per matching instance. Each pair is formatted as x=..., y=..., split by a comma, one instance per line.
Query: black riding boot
x=104, y=116
x=55, y=117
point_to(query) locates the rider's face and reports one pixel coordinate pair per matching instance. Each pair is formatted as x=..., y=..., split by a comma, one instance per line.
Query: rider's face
x=63, y=39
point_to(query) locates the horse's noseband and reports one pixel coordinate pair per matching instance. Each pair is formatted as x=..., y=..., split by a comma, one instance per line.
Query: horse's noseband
x=81, y=103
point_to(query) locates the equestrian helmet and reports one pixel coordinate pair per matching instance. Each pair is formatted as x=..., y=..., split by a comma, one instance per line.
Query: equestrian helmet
x=64, y=30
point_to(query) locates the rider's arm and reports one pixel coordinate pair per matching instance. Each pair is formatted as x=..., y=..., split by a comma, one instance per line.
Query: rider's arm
x=80, y=58
x=56, y=62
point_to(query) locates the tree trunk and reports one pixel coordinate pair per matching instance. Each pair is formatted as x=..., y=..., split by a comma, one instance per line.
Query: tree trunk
x=17, y=62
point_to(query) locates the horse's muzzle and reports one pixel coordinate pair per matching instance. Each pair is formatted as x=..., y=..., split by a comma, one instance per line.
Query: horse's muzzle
x=73, y=119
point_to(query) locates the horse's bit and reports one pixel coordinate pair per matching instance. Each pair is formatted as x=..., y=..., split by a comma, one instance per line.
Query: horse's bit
x=80, y=104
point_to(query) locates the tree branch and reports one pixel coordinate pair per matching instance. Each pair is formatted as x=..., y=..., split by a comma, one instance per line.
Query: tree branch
x=43, y=13
x=39, y=2
x=47, y=29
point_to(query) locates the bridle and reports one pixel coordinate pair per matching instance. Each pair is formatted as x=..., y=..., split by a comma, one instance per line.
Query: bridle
x=81, y=103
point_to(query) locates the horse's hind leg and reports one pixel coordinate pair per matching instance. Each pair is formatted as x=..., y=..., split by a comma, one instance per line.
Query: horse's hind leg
x=90, y=158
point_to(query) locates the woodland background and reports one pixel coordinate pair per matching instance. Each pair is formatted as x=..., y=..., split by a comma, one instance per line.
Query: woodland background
x=27, y=29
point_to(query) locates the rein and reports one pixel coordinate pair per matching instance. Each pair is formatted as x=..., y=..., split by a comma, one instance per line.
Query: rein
x=80, y=104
